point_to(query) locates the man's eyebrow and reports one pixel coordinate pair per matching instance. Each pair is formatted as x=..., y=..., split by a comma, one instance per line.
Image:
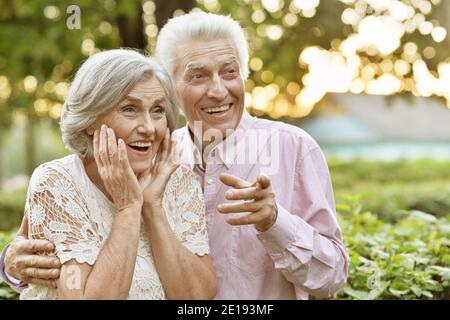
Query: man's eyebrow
x=159, y=100
x=198, y=67
x=230, y=61
x=194, y=66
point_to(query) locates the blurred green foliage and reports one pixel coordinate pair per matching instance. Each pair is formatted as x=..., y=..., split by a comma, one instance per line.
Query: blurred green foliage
x=11, y=208
x=389, y=188
x=5, y=290
x=48, y=146
x=408, y=259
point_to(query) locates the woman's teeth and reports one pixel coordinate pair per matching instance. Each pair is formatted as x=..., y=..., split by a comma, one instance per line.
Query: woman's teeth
x=140, y=146
x=217, y=109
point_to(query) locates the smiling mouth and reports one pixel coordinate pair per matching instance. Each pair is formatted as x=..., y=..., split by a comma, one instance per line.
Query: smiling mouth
x=218, y=110
x=140, y=146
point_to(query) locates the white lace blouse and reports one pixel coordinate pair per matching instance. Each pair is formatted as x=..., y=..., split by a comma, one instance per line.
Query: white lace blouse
x=66, y=208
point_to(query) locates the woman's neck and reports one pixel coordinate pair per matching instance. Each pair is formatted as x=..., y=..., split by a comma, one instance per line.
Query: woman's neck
x=92, y=172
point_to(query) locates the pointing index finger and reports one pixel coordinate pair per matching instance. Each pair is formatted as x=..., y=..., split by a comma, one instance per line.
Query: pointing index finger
x=233, y=181
x=263, y=181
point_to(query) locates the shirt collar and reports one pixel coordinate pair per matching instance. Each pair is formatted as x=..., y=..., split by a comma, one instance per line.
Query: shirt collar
x=226, y=151
x=234, y=144
x=190, y=155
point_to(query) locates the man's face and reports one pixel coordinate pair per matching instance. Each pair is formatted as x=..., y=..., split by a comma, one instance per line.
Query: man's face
x=209, y=85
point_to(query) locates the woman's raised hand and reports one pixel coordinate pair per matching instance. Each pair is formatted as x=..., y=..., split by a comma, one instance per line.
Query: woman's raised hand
x=154, y=180
x=115, y=170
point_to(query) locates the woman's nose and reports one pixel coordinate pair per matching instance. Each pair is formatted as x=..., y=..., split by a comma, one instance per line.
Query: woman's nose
x=146, y=127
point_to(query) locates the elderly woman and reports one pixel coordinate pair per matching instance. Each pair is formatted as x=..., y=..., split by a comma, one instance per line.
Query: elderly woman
x=126, y=220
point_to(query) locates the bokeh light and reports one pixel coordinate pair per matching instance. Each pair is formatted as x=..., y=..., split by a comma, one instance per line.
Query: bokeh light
x=373, y=58
x=30, y=84
x=51, y=12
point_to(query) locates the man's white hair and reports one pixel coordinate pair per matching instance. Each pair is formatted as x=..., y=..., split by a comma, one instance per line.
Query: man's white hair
x=100, y=84
x=200, y=26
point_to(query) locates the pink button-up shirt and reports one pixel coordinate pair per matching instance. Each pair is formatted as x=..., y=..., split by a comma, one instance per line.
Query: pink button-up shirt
x=302, y=253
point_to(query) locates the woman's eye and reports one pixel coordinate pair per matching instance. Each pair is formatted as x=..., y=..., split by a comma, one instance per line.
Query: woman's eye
x=128, y=109
x=197, y=76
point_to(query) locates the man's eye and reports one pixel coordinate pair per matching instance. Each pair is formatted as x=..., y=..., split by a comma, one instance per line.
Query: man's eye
x=231, y=71
x=158, y=110
x=197, y=76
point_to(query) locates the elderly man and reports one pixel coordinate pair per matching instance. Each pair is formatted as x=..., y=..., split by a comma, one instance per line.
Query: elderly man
x=268, y=195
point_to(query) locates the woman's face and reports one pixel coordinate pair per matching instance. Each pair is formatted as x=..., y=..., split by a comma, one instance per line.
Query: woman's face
x=140, y=120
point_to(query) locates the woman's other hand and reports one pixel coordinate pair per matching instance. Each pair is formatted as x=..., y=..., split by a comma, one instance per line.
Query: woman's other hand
x=154, y=180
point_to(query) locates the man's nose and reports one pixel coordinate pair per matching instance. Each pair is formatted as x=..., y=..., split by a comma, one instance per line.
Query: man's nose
x=217, y=89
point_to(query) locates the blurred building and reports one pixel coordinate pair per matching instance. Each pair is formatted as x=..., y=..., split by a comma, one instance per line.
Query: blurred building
x=381, y=127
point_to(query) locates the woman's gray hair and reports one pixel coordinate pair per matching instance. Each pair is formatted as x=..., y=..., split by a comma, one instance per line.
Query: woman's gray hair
x=200, y=26
x=100, y=84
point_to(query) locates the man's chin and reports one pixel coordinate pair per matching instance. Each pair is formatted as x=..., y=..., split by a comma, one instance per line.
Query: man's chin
x=211, y=132
x=221, y=131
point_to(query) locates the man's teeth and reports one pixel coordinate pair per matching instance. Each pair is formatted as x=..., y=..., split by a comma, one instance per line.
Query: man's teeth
x=140, y=144
x=218, y=109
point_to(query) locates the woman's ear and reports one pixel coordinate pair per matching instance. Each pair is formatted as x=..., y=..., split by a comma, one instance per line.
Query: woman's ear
x=90, y=130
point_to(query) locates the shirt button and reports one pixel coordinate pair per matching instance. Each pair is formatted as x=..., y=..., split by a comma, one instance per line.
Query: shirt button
x=210, y=181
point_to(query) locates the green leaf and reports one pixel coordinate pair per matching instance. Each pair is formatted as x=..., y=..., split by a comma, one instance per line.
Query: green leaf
x=422, y=216
x=417, y=291
x=407, y=248
x=6, y=293
x=441, y=271
x=398, y=293
x=360, y=295
x=377, y=292
x=343, y=207
x=403, y=260
x=446, y=258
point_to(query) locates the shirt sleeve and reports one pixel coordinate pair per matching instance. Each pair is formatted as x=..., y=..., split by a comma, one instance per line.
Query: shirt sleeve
x=305, y=243
x=190, y=218
x=58, y=212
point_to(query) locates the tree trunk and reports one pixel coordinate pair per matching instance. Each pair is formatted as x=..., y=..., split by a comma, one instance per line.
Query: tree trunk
x=165, y=9
x=132, y=34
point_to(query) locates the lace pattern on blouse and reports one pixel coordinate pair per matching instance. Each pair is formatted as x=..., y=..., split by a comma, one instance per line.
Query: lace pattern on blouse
x=64, y=210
